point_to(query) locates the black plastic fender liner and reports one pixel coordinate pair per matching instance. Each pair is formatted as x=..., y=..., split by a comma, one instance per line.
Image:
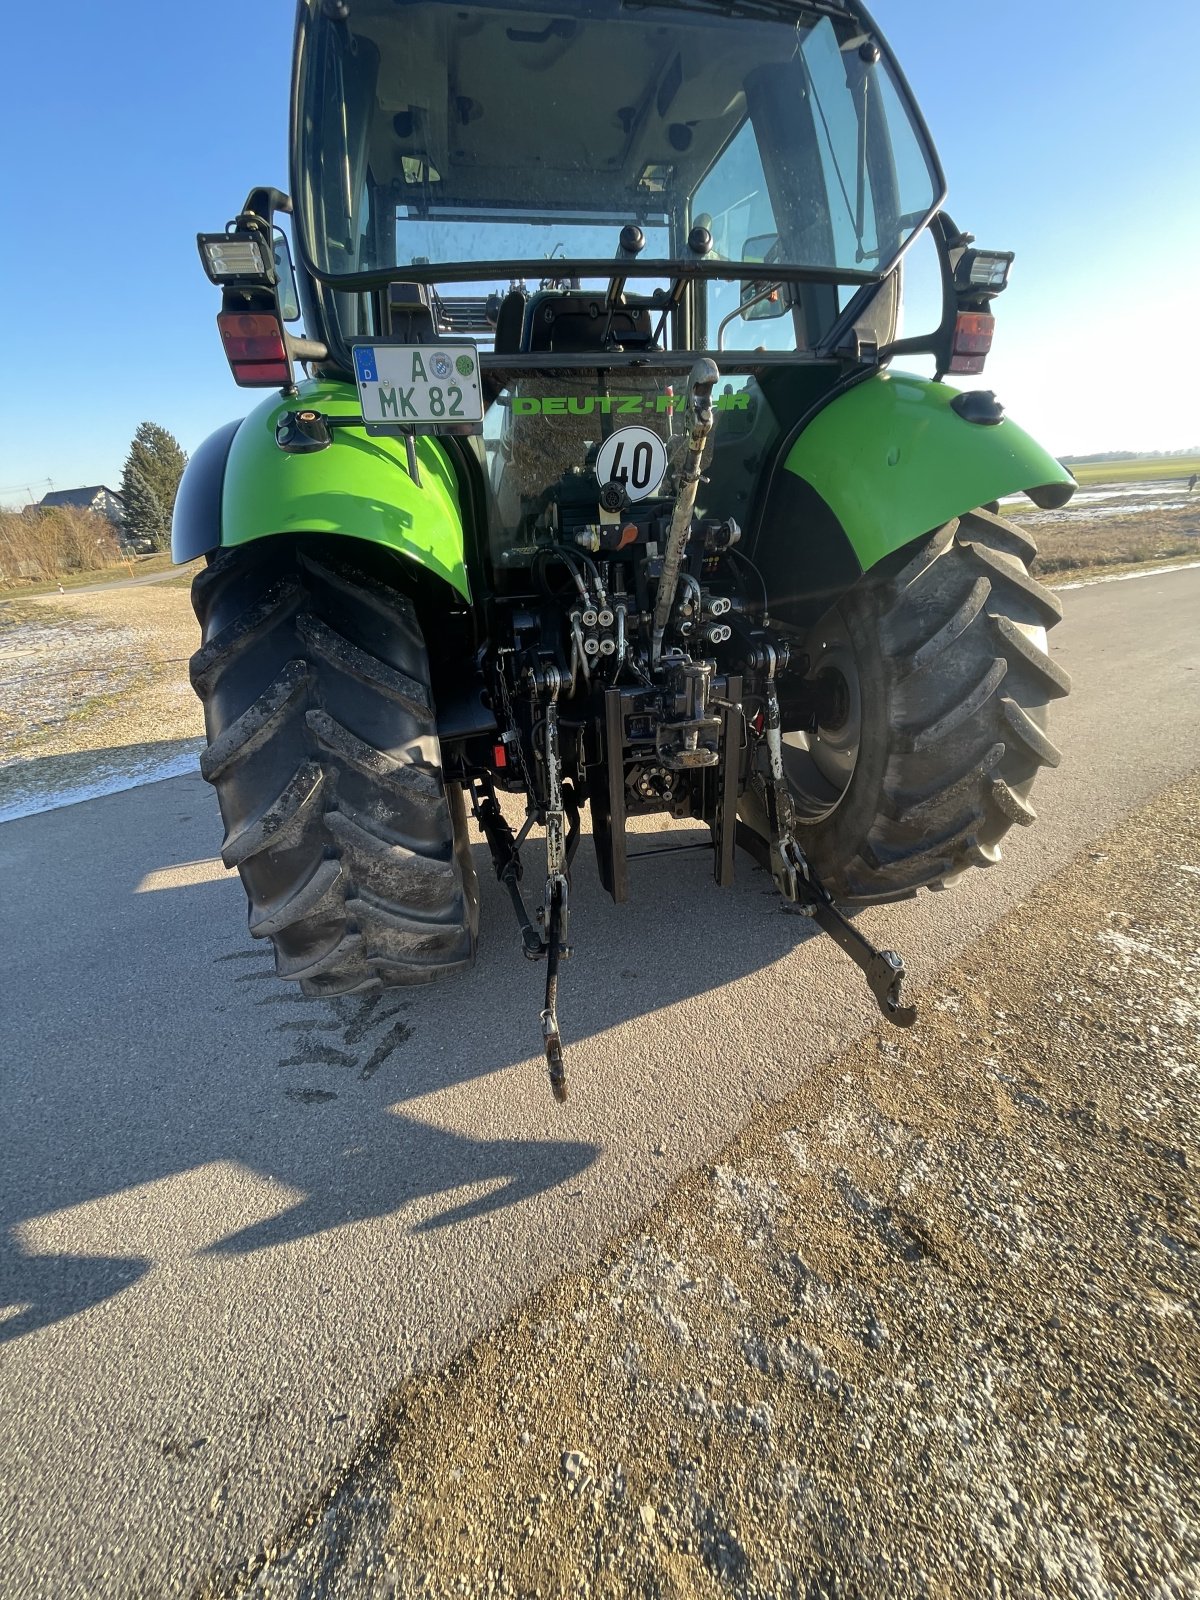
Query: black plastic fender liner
x=803, y=552
x=196, y=523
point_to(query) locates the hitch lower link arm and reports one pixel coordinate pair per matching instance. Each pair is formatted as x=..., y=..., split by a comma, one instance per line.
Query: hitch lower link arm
x=884, y=970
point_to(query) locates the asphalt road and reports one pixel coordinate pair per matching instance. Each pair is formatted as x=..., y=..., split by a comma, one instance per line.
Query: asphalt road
x=168, y=575
x=234, y=1217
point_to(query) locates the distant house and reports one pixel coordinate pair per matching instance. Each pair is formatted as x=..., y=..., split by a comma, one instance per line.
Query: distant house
x=97, y=498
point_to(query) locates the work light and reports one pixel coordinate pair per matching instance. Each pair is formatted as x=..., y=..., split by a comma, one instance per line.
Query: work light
x=980, y=274
x=235, y=258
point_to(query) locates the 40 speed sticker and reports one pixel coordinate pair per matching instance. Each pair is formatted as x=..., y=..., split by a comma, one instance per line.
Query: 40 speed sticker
x=636, y=458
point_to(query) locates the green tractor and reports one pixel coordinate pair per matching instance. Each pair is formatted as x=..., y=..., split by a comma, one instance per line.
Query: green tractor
x=598, y=486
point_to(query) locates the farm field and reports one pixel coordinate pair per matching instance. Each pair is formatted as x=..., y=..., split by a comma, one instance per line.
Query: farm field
x=1144, y=469
x=1113, y=522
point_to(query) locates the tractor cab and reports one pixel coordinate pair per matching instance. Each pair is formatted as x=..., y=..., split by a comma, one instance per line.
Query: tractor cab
x=606, y=179
x=590, y=196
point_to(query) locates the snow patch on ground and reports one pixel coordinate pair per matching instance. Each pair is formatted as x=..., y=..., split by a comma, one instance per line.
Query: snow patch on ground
x=1130, y=947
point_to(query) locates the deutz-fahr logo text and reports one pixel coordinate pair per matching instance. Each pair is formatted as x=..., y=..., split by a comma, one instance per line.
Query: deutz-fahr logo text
x=615, y=405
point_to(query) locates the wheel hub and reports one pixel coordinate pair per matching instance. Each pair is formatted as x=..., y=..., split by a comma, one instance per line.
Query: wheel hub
x=819, y=759
x=831, y=700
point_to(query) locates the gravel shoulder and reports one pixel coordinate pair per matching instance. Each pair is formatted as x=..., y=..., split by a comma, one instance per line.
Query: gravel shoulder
x=927, y=1329
x=94, y=683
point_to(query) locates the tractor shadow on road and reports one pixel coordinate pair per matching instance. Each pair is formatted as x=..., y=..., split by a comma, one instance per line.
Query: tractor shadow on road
x=215, y=1061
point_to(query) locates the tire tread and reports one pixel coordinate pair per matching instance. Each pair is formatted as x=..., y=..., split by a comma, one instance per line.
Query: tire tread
x=323, y=752
x=958, y=635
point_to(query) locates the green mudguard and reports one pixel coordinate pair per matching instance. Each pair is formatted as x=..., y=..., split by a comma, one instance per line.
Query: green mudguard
x=892, y=460
x=358, y=486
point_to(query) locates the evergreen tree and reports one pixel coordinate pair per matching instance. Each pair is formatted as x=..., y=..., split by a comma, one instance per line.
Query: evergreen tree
x=142, y=511
x=149, y=483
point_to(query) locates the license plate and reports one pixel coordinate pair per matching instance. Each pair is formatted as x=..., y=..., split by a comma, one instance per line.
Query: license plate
x=430, y=385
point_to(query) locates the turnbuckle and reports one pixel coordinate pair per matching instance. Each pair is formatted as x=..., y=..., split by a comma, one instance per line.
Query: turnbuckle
x=556, y=903
x=505, y=847
x=551, y=1037
x=561, y=819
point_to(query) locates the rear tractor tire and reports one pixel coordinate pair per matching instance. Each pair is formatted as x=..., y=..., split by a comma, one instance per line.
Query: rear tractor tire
x=941, y=679
x=323, y=750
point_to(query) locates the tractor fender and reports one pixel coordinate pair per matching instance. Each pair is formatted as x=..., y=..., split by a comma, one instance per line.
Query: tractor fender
x=883, y=463
x=358, y=486
x=196, y=520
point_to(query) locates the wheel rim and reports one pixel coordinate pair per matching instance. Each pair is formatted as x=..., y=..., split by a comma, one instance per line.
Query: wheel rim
x=820, y=765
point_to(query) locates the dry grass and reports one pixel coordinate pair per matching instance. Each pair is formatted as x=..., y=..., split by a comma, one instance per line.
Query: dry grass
x=38, y=546
x=1076, y=544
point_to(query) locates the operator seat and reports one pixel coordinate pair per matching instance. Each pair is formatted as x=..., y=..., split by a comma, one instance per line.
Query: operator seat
x=561, y=322
x=564, y=321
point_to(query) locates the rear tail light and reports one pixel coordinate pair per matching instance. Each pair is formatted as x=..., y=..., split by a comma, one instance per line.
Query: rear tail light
x=973, y=332
x=255, y=349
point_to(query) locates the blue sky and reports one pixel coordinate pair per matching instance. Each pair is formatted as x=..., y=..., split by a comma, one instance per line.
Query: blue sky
x=1070, y=133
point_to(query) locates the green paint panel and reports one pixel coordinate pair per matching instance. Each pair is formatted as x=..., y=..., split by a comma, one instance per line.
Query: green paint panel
x=359, y=486
x=892, y=460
